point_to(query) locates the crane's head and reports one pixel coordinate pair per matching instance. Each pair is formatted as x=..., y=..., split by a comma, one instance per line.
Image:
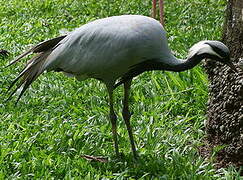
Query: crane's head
x=214, y=50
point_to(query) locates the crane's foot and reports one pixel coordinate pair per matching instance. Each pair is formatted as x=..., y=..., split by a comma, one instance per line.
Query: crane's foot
x=135, y=155
x=119, y=156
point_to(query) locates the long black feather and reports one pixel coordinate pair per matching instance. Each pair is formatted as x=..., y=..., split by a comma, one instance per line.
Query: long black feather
x=41, y=47
x=34, y=66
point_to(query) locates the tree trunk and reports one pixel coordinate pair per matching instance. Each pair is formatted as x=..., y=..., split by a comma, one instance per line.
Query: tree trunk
x=225, y=107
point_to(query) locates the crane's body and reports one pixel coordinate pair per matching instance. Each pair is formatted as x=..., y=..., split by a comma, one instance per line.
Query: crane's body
x=107, y=48
x=110, y=49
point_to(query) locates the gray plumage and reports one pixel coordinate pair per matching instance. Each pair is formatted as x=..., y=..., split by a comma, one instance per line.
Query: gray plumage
x=114, y=50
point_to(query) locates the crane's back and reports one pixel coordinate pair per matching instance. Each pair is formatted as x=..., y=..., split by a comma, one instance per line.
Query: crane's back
x=110, y=46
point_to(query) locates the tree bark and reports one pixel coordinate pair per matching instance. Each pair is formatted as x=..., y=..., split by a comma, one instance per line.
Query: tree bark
x=224, y=124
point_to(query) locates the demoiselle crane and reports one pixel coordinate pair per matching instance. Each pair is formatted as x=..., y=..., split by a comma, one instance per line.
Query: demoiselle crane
x=114, y=50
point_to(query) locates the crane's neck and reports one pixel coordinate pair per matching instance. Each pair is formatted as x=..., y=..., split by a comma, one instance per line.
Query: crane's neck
x=169, y=63
x=178, y=65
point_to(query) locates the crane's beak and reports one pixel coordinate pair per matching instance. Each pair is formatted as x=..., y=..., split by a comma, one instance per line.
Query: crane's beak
x=232, y=66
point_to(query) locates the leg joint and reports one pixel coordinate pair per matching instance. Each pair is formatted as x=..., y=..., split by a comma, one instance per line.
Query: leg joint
x=126, y=114
x=113, y=118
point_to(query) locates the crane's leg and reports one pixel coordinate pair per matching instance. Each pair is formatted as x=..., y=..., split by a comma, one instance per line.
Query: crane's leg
x=113, y=120
x=161, y=11
x=126, y=115
x=154, y=9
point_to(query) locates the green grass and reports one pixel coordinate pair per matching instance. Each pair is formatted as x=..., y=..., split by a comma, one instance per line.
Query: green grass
x=59, y=118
